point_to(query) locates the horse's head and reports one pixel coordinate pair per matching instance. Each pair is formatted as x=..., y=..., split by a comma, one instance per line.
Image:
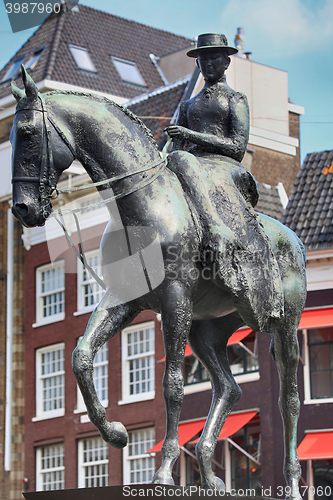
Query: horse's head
x=39, y=155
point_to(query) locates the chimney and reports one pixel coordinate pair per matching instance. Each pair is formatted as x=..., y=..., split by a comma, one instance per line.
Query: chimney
x=239, y=44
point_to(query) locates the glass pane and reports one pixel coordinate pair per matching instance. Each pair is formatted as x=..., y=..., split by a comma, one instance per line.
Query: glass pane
x=128, y=71
x=318, y=335
x=82, y=58
x=13, y=68
x=320, y=357
x=321, y=384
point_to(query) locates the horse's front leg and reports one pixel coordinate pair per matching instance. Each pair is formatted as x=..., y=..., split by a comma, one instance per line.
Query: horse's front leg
x=104, y=323
x=176, y=324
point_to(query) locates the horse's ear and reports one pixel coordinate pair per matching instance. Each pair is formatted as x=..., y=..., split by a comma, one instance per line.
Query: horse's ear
x=17, y=93
x=30, y=87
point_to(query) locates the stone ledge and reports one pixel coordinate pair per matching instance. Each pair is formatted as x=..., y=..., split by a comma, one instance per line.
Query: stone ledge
x=135, y=490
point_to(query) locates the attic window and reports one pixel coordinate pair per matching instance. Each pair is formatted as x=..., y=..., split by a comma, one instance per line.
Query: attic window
x=13, y=69
x=82, y=58
x=128, y=71
x=34, y=59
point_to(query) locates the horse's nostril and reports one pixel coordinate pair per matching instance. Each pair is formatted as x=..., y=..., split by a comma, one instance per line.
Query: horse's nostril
x=21, y=209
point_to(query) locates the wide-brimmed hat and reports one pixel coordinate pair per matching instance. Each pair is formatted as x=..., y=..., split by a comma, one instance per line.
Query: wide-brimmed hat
x=211, y=41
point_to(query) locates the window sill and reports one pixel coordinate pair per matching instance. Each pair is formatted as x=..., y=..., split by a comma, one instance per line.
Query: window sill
x=89, y=310
x=49, y=320
x=317, y=401
x=137, y=399
x=104, y=403
x=206, y=386
x=54, y=414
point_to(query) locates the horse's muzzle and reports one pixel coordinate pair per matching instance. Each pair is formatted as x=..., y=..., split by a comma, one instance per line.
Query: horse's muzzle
x=27, y=217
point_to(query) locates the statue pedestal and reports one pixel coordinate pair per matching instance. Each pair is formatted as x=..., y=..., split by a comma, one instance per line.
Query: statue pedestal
x=154, y=491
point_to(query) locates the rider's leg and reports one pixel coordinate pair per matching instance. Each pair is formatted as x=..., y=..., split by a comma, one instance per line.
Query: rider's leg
x=242, y=257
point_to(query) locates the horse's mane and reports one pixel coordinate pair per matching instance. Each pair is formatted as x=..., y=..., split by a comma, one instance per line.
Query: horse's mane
x=126, y=111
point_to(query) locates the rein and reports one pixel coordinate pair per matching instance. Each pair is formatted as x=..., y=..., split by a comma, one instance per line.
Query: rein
x=46, y=188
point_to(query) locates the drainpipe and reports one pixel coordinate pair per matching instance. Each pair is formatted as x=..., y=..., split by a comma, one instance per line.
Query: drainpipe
x=9, y=341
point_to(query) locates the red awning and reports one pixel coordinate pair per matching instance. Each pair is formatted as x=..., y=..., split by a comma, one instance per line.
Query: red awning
x=234, y=339
x=316, y=445
x=187, y=430
x=316, y=318
x=235, y=422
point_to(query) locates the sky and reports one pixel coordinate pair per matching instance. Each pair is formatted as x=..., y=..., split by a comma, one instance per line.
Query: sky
x=292, y=35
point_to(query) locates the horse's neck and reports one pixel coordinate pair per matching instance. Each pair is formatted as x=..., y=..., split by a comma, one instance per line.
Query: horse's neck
x=108, y=140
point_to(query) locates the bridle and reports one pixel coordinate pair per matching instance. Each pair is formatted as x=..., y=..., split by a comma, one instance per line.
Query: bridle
x=46, y=186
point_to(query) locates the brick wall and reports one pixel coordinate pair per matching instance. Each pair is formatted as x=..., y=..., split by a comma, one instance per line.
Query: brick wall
x=11, y=482
x=273, y=167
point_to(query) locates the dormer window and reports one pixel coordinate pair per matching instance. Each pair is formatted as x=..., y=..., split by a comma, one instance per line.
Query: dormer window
x=82, y=58
x=13, y=68
x=128, y=71
x=34, y=59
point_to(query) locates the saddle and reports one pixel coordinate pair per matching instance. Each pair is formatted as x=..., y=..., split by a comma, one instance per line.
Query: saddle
x=233, y=243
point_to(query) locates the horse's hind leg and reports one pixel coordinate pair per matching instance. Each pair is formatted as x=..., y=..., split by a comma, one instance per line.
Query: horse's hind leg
x=104, y=323
x=285, y=351
x=208, y=340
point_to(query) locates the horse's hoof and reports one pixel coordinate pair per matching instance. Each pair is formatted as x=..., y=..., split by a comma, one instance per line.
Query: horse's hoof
x=163, y=478
x=213, y=483
x=115, y=434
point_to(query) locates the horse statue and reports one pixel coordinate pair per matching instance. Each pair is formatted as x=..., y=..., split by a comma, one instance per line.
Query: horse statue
x=52, y=130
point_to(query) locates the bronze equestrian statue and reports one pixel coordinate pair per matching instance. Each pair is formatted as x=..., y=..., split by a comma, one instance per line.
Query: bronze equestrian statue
x=198, y=303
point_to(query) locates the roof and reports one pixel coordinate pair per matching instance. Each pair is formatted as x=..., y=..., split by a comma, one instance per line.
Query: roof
x=103, y=35
x=310, y=209
x=269, y=201
x=157, y=108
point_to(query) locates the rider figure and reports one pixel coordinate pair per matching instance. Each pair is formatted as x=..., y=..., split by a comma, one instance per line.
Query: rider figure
x=209, y=141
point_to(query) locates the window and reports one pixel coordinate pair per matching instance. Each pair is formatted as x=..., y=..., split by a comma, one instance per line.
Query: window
x=50, y=470
x=50, y=293
x=195, y=371
x=320, y=344
x=246, y=473
x=100, y=379
x=139, y=467
x=138, y=367
x=31, y=63
x=243, y=356
x=128, y=71
x=82, y=58
x=243, y=359
x=93, y=463
x=13, y=68
x=323, y=479
x=50, y=380
x=89, y=291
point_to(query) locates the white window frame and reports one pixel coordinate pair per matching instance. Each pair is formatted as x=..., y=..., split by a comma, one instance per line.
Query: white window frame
x=40, y=320
x=81, y=283
x=82, y=466
x=40, y=413
x=86, y=64
x=13, y=69
x=144, y=396
x=306, y=374
x=123, y=64
x=81, y=407
x=128, y=459
x=41, y=472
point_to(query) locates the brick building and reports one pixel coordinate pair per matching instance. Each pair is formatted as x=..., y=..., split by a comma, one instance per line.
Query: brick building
x=62, y=449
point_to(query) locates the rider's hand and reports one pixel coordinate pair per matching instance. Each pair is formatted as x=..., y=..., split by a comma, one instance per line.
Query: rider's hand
x=177, y=132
